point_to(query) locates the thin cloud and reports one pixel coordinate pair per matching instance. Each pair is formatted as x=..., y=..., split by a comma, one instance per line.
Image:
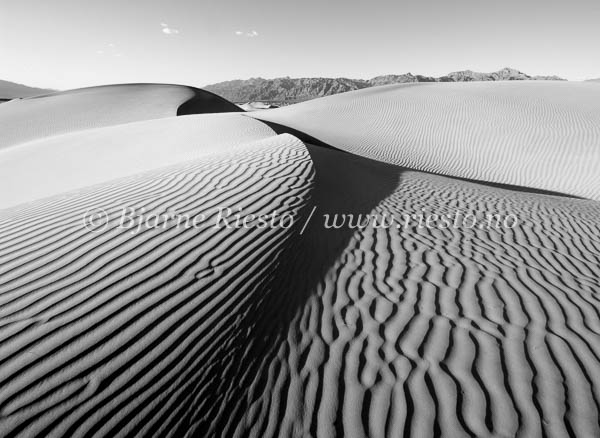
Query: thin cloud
x=250, y=34
x=168, y=30
x=109, y=49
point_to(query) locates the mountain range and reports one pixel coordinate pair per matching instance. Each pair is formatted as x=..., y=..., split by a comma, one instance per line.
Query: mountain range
x=290, y=90
x=294, y=90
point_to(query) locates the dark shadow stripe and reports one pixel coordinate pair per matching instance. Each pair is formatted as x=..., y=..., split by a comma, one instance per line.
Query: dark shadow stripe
x=205, y=102
x=305, y=138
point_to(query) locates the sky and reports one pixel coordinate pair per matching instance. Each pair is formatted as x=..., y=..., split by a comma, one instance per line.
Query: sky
x=64, y=44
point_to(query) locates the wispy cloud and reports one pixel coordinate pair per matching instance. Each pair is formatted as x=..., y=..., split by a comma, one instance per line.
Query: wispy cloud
x=250, y=34
x=109, y=49
x=168, y=30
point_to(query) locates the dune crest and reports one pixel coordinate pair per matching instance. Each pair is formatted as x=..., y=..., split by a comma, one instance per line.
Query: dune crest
x=63, y=112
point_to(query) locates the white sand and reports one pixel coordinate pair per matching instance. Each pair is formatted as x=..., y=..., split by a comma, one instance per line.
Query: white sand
x=78, y=330
x=66, y=162
x=543, y=135
x=270, y=333
x=24, y=120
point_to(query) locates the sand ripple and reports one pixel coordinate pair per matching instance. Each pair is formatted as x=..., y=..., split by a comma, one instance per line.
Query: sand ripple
x=541, y=135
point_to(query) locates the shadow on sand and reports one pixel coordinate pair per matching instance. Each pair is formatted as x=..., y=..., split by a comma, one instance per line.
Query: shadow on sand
x=344, y=184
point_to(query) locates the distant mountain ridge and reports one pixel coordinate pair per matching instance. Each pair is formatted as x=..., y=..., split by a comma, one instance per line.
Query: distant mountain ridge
x=11, y=90
x=294, y=90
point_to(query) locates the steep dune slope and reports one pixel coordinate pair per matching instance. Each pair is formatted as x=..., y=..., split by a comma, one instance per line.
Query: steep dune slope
x=542, y=135
x=29, y=119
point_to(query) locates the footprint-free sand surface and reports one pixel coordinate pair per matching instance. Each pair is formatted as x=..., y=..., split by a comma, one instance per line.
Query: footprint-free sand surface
x=306, y=330
x=542, y=135
x=23, y=120
x=65, y=162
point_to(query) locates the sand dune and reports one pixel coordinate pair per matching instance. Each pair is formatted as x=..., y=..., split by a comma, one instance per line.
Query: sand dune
x=307, y=330
x=447, y=332
x=61, y=163
x=460, y=332
x=463, y=332
x=102, y=330
x=64, y=112
x=542, y=135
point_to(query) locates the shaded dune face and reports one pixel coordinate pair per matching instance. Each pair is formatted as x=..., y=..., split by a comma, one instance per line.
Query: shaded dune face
x=541, y=135
x=205, y=102
x=272, y=402
x=58, y=113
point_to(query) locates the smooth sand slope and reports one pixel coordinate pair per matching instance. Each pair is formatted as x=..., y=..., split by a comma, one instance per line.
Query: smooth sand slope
x=61, y=163
x=24, y=120
x=543, y=135
x=299, y=331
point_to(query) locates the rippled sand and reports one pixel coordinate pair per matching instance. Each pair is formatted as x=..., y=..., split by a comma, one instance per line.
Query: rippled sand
x=304, y=330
